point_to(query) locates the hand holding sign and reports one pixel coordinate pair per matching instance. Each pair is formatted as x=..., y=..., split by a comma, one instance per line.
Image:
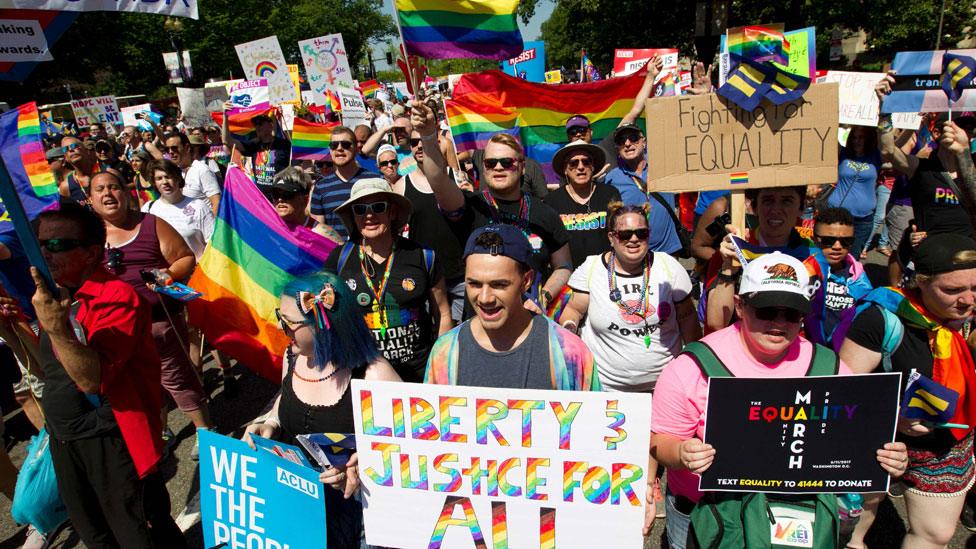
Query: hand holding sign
x=695, y=455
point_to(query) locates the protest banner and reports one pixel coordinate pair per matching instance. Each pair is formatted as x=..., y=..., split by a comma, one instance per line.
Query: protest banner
x=353, y=107
x=193, y=105
x=249, y=96
x=182, y=8
x=326, y=64
x=554, y=77
x=172, y=63
x=263, y=59
x=529, y=65
x=23, y=40
x=521, y=468
x=708, y=143
x=254, y=498
x=918, y=84
x=101, y=109
x=858, y=104
x=805, y=434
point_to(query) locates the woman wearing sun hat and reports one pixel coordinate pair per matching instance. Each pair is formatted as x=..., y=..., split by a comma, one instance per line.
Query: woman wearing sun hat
x=397, y=283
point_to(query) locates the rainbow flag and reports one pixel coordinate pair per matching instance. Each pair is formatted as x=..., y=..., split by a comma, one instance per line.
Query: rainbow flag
x=760, y=43
x=444, y=29
x=23, y=155
x=590, y=73
x=310, y=140
x=536, y=113
x=369, y=88
x=240, y=124
x=251, y=256
x=332, y=102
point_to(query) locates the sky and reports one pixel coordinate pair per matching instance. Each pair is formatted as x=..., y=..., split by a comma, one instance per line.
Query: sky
x=532, y=31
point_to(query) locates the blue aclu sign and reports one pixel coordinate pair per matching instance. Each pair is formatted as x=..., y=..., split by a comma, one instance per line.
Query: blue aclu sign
x=253, y=498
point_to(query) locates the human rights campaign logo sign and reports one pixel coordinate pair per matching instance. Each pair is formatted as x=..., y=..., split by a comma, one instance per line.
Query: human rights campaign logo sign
x=253, y=498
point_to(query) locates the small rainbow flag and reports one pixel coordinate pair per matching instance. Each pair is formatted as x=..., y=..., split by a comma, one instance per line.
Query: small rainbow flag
x=760, y=43
x=444, y=29
x=332, y=101
x=310, y=140
x=252, y=255
x=738, y=178
x=240, y=124
x=590, y=72
x=23, y=155
x=369, y=88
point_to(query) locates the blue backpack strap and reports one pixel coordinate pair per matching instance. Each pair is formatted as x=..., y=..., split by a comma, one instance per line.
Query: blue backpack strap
x=429, y=262
x=344, y=255
x=894, y=332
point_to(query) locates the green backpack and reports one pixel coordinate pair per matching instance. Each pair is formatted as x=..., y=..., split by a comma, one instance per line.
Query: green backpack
x=725, y=520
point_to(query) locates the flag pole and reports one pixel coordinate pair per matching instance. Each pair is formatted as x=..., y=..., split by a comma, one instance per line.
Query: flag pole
x=411, y=78
x=582, y=66
x=22, y=227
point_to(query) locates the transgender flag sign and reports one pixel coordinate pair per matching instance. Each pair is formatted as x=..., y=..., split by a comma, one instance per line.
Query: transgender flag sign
x=918, y=84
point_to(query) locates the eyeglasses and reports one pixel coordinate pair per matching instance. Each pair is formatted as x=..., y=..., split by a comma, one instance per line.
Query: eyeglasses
x=174, y=148
x=388, y=163
x=829, y=241
x=336, y=145
x=627, y=234
x=576, y=131
x=585, y=162
x=115, y=257
x=414, y=141
x=58, y=245
x=623, y=137
x=505, y=163
x=374, y=208
x=291, y=325
x=72, y=146
x=770, y=314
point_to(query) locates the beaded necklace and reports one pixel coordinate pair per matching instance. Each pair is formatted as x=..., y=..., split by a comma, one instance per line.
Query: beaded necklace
x=640, y=309
x=522, y=222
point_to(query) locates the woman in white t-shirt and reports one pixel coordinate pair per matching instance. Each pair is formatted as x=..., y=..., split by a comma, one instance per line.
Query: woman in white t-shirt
x=191, y=217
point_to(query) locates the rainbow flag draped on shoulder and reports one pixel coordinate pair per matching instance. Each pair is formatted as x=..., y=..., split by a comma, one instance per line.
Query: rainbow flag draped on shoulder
x=492, y=101
x=446, y=29
x=252, y=255
x=310, y=140
x=23, y=155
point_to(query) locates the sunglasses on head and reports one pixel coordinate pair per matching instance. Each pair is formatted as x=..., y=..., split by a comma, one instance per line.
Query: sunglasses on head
x=58, y=245
x=829, y=241
x=388, y=163
x=505, y=163
x=336, y=145
x=769, y=314
x=577, y=131
x=624, y=137
x=627, y=234
x=585, y=162
x=374, y=208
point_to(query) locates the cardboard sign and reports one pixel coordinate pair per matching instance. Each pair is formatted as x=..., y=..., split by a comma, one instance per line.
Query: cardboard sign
x=263, y=59
x=450, y=467
x=858, y=104
x=255, y=498
x=23, y=40
x=129, y=116
x=172, y=63
x=800, y=435
x=326, y=64
x=193, y=105
x=707, y=143
x=102, y=109
x=529, y=65
x=353, y=107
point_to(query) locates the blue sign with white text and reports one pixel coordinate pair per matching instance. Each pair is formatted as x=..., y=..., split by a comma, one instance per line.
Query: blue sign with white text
x=529, y=65
x=254, y=498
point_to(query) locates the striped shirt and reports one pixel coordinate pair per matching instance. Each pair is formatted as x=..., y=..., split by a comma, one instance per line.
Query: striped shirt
x=330, y=192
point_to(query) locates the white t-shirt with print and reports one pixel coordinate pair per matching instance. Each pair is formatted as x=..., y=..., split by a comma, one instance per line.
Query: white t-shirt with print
x=615, y=338
x=200, y=181
x=191, y=217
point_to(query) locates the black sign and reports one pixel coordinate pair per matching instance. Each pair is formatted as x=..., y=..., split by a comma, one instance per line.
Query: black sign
x=800, y=435
x=921, y=82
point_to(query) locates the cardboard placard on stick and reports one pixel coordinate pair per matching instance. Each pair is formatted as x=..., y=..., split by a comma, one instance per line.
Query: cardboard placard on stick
x=705, y=142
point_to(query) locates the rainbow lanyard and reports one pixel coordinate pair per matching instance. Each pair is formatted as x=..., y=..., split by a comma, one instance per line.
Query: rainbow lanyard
x=640, y=309
x=523, y=217
x=381, y=308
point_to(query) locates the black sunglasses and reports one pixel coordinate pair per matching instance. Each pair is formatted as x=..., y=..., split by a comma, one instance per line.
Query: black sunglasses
x=577, y=130
x=114, y=262
x=829, y=241
x=286, y=324
x=505, y=163
x=585, y=162
x=336, y=145
x=623, y=137
x=414, y=141
x=769, y=314
x=375, y=208
x=387, y=163
x=58, y=245
x=176, y=148
x=627, y=234
x=278, y=194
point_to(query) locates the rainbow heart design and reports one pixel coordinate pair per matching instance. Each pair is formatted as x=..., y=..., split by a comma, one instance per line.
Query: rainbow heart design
x=265, y=69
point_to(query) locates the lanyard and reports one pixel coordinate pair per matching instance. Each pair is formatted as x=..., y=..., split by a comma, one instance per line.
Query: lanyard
x=378, y=294
x=522, y=222
x=639, y=309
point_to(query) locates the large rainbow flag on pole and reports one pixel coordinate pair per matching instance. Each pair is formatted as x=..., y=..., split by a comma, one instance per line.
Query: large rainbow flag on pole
x=252, y=255
x=23, y=155
x=446, y=29
x=310, y=140
x=489, y=102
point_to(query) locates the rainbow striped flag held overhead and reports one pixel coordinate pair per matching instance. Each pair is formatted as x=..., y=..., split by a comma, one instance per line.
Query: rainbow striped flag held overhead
x=590, y=72
x=446, y=29
x=369, y=88
x=760, y=43
x=240, y=124
x=252, y=255
x=310, y=140
x=536, y=113
x=23, y=155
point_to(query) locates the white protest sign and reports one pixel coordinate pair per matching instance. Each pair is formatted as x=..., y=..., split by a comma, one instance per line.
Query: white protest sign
x=858, y=102
x=22, y=40
x=101, y=109
x=326, y=64
x=172, y=64
x=253, y=95
x=263, y=59
x=129, y=116
x=457, y=467
x=353, y=107
x=216, y=93
x=179, y=8
x=193, y=105
x=287, y=117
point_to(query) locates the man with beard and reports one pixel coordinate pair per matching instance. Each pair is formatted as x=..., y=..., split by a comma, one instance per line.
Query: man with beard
x=332, y=190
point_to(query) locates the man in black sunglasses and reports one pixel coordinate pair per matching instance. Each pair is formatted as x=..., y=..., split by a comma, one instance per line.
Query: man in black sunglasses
x=83, y=165
x=332, y=190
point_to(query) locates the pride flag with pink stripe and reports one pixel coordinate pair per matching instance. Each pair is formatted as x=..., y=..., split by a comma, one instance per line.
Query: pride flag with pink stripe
x=445, y=29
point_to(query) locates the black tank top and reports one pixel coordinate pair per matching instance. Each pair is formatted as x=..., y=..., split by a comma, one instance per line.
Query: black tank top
x=429, y=229
x=299, y=418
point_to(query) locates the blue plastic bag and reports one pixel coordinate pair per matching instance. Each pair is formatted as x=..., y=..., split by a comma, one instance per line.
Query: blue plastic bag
x=36, y=498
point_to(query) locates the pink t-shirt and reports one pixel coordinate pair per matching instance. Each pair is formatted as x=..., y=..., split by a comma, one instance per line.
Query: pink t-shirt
x=682, y=391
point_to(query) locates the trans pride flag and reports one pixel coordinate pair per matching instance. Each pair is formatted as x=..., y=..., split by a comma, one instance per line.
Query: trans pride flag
x=23, y=155
x=445, y=29
x=918, y=84
x=252, y=255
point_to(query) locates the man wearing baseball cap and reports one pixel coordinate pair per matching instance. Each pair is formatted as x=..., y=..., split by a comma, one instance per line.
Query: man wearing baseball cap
x=764, y=343
x=506, y=345
x=270, y=152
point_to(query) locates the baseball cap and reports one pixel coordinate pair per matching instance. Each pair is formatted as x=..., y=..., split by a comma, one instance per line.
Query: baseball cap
x=776, y=280
x=514, y=243
x=626, y=127
x=577, y=120
x=934, y=255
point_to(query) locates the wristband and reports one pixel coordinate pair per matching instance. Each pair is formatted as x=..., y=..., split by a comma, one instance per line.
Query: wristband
x=884, y=123
x=722, y=277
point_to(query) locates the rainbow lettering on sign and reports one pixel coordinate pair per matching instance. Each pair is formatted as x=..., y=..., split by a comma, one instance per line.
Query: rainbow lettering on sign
x=265, y=69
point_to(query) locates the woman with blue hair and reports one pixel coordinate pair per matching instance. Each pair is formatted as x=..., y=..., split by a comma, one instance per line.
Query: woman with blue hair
x=330, y=347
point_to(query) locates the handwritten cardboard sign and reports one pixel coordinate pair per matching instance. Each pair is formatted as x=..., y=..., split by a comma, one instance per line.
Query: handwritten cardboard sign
x=102, y=109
